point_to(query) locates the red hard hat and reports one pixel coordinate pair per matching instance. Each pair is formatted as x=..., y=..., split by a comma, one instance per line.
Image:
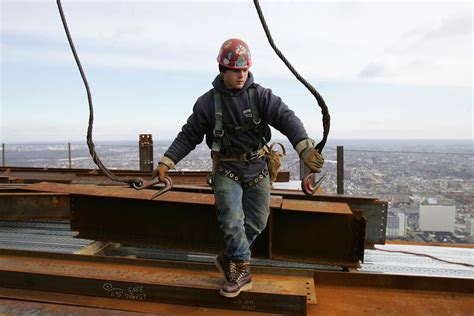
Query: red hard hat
x=234, y=54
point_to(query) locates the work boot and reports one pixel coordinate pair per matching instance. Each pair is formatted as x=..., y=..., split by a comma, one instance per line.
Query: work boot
x=238, y=279
x=222, y=263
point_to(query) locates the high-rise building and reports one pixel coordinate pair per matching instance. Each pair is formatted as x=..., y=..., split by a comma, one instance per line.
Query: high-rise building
x=470, y=226
x=396, y=224
x=437, y=215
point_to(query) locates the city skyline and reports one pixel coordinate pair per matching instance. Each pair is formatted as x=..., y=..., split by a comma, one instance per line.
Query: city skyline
x=146, y=66
x=403, y=173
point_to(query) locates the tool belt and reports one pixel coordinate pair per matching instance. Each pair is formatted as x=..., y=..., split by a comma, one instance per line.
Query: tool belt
x=246, y=185
x=216, y=157
x=257, y=154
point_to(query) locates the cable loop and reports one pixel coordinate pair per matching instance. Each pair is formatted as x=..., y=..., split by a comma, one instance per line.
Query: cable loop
x=90, y=142
x=319, y=98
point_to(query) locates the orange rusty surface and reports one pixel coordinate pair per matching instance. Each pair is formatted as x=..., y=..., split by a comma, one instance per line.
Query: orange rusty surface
x=33, y=175
x=125, y=192
x=348, y=293
x=122, y=192
x=338, y=293
x=354, y=300
x=25, y=302
x=178, y=274
x=316, y=206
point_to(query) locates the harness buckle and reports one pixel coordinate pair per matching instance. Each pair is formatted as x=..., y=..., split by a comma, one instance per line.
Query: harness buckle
x=253, y=155
x=219, y=133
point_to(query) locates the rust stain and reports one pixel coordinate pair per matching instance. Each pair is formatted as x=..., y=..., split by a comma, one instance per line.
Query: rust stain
x=316, y=206
x=183, y=275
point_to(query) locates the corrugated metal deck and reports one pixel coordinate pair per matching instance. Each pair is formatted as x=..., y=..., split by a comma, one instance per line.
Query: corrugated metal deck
x=378, y=261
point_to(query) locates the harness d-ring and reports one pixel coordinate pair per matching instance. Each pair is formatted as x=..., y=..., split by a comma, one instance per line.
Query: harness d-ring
x=141, y=184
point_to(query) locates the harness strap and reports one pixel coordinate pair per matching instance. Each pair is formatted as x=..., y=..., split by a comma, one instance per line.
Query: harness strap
x=221, y=132
x=253, y=105
x=218, y=128
x=257, y=154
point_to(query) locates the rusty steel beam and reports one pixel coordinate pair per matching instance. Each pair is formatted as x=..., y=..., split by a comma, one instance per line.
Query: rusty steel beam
x=360, y=293
x=373, y=209
x=305, y=231
x=392, y=281
x=145, y=152
x=34, y=206
x=135, y=280
x=261, y=302
x=93, y=176
x=323, y=232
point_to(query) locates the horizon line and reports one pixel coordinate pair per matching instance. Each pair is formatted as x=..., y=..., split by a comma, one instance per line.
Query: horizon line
x=203, y=142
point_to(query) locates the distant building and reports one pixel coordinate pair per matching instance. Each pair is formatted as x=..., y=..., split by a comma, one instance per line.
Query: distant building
x=437, y=215
x=403, y=189
x=470, y=226
x=396, y=224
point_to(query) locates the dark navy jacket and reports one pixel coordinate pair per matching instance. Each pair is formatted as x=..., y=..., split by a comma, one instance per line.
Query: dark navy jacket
x=236, y=111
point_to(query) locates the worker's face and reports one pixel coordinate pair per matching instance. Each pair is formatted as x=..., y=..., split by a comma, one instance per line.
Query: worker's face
x=235, y=78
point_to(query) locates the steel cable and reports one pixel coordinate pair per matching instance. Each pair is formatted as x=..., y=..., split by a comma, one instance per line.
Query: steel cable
x=427, y=256
x=319, y=98
x=90, y=142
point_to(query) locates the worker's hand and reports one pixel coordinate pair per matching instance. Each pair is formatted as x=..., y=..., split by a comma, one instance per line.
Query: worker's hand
x=164, y=166
x=310, y=156
x=313, y=160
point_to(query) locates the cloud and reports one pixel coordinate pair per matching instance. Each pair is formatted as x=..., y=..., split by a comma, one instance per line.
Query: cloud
x=373, y=70
x=452, y=26
x=323, y=40
x=436, y=51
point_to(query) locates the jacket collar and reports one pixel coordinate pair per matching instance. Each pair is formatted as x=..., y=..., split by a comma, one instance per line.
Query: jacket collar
x=219, y=85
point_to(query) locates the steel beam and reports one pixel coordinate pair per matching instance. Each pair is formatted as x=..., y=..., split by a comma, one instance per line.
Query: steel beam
x=34, y=206
x=145, y=152
x=304, y=231
x=261, y=302
x=93, y=176
x=373, y=210
x=343, y=293
x=274, y=291
x=391, y=281
x=322, y=232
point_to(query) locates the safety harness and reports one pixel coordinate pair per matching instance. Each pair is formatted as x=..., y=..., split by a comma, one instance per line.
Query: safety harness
x=221, y=141
x=221, y=133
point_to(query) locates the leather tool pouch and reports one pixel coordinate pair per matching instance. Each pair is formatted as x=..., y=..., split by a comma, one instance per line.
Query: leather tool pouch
x=274, y=160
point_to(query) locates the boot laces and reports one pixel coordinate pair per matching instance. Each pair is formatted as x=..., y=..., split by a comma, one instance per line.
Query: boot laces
x=237, y=270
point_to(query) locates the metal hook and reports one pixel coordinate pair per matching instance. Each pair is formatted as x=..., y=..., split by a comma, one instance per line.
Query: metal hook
x=141, y=184
x=309, y=185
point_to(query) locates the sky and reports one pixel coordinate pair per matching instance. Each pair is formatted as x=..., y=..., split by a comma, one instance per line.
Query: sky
x=387, y=70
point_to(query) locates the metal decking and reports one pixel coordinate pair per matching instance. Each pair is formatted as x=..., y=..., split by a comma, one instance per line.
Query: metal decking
x=55, y=237
x=377, y=261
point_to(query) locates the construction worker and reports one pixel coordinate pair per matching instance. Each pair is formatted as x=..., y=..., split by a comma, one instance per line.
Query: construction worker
x=235, y=116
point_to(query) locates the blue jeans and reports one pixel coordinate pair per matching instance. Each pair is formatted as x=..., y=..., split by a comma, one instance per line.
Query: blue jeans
x=242, y=213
